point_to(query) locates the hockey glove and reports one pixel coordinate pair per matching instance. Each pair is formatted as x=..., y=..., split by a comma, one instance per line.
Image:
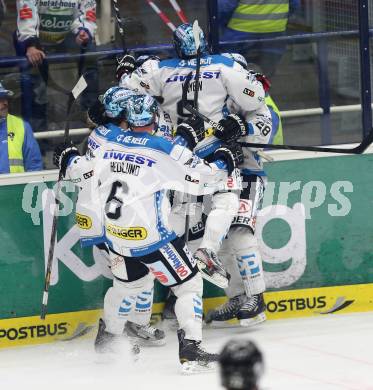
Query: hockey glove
x=96, y=115
x=62, y=155
x=126, y=65
x=192, y=130
x=234, y=126
x=232, y=154
x=263, y=79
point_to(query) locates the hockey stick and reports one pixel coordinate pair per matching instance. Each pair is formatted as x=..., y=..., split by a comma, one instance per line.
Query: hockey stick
x=179, y=11
x=120, y=25
x=80, y=86
x=356, y=150
x=162, y=15
x=196, y=34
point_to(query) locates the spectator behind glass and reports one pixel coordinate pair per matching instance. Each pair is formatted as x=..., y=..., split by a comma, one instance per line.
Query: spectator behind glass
x=256, y=19
x=43, y=30
x=19, y=151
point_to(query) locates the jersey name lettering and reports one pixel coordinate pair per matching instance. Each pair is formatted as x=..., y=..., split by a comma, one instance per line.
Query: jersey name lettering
x=122, y=167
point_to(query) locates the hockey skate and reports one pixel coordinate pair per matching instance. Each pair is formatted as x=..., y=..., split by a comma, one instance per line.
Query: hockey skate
x=109, y=343
x=227, y=311
x=104, y=342
x=193, y=357
x=144, y=335
x=253, y=311
x=211, y=268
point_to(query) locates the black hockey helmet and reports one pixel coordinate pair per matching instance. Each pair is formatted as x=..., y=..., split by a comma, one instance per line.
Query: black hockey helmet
x=241, y=365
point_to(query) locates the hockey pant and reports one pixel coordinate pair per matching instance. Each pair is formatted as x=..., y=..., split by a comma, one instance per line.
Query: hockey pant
x=174, y=266
x=239, y=252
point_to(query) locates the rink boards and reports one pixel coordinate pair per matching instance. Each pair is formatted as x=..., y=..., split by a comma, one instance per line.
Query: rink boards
x=315, y=235
x=280, y=305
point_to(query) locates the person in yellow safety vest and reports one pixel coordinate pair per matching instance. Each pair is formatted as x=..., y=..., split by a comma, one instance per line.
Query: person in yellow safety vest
x=257, y=19
x=277, y=137
x=19, y=151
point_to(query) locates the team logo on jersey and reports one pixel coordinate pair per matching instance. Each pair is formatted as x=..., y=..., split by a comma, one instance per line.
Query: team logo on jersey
x=132, y=157
x=144, y=85
x=182, y=77
x=191, y=179
x=103, y=130
x=249, y=92
x=245, y=206
x=83, y=221
x=132, y=233
x=88, y=175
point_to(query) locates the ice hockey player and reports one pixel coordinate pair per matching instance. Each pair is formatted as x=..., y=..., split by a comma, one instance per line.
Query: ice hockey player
x=220, y=78
x=136, y=322
x=241, y=365
x=240, y=251
x=130, y=176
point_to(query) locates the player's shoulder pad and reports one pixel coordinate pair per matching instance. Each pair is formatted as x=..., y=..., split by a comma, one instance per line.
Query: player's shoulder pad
x=131, y=139
x=219, y=59
x=148, y=67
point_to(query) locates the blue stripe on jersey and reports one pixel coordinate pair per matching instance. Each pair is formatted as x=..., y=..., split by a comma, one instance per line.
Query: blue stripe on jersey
x=250, y=128
x=86, y=242
x=191, y=63
x=133, y=139
x=137, y=252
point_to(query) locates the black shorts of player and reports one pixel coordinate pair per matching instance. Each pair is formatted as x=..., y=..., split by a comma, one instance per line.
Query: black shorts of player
x=251, y=200
x=171, y=265
x=134, y=267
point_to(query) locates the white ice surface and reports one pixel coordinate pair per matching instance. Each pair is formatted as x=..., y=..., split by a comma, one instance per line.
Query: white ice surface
x=332, y=352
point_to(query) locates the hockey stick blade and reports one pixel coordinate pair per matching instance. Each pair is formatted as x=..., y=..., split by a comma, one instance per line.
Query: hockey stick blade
x=368, y=140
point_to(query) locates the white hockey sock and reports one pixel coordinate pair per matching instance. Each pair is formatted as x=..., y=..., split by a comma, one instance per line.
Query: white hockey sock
x=143, y=308
x=120, y=301
x=189, y=307
x=116, y=310
x=249, y=260
x=251, y=270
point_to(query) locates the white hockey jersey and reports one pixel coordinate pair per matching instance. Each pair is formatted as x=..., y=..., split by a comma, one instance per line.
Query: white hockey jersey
x=220, y=78
x=129, y=177
x=224, y=87
x=52, y=20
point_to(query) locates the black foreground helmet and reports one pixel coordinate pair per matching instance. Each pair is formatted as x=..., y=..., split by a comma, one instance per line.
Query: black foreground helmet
x=241, y=365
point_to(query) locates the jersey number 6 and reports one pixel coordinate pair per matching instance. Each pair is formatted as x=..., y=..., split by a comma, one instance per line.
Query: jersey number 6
x=114, y=201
